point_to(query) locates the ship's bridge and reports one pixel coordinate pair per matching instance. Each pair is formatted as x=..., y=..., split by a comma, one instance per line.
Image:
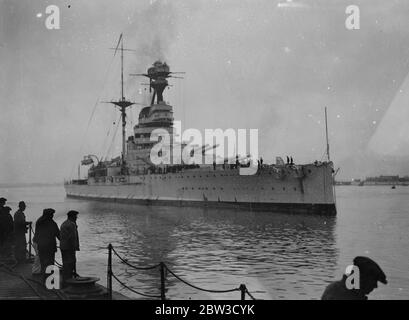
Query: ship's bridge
x=157, y=115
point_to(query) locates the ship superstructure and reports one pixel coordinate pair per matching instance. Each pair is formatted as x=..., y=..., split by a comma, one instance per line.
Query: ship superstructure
x=133, y=177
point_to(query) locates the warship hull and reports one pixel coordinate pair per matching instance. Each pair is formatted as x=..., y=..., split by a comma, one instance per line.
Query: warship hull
x=306, y=189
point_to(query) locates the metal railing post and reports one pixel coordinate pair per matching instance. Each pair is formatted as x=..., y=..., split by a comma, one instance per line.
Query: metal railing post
x=30, y=244
x=109, y=272
x=162, y=281
x=243, y=291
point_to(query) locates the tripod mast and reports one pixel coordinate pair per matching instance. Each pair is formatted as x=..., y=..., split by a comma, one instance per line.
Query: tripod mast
x=122, y=103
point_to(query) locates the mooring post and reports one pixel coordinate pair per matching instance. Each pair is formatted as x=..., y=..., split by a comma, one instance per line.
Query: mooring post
x=29, y=239
x=243, y=291
x=162, y=281
x=109, y=272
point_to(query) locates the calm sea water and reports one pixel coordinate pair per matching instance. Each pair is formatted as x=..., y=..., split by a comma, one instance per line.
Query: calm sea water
x=277, y=256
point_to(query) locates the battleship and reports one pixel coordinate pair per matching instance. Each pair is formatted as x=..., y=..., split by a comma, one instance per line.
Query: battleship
x=133, y=177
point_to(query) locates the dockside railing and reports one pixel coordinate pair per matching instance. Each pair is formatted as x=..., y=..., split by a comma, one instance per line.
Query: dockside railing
x=163, y=268
x=30, y=240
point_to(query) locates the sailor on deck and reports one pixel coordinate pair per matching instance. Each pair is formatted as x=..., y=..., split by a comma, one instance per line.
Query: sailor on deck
x=46, y=232
x=69, y=244
x=6, y=232
x=20, y=230
x=369, y=274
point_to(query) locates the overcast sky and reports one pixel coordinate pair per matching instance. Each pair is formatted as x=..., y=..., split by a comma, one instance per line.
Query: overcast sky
x=264, y=64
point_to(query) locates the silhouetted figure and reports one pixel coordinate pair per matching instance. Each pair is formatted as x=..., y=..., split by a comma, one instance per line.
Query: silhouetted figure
x=6, y=232
x=261, y=161
x=369, y=274
x=46, y=233
x=3, y=220
x=69, y=244
x=288, y=160
x=292, y=161
x=20, y=230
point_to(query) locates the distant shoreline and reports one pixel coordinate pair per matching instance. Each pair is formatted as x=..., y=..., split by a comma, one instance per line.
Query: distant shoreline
x=30, y=184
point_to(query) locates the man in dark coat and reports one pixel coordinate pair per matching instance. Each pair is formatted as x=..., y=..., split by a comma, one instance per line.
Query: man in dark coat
x=3, y=220
x=369, y=275
x=46, y=233
x=6, y=232
x=69, y=244
x=20, y=230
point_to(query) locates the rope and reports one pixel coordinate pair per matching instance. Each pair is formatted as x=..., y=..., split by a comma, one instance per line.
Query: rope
x=95, y=107
x=58, y=264
x=113, y=139
x=132, y=266
x=250, y=295
x=133, y=290
x=197, y=288
x=172, y=273
x=103, y=148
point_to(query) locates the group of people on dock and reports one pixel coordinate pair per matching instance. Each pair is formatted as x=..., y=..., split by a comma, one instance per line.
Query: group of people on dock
x=13, y=243
x=13, y=233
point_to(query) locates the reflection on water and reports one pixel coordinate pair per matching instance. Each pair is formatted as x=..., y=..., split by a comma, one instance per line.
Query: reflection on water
x=277, y=256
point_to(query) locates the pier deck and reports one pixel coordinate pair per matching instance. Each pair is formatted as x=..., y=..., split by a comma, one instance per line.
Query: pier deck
x=18, y=283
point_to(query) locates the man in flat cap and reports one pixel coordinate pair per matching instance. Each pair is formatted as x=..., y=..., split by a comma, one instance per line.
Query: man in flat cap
x=367, y=271
x=69, y=245
x=46, y=233
x=2, y=202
